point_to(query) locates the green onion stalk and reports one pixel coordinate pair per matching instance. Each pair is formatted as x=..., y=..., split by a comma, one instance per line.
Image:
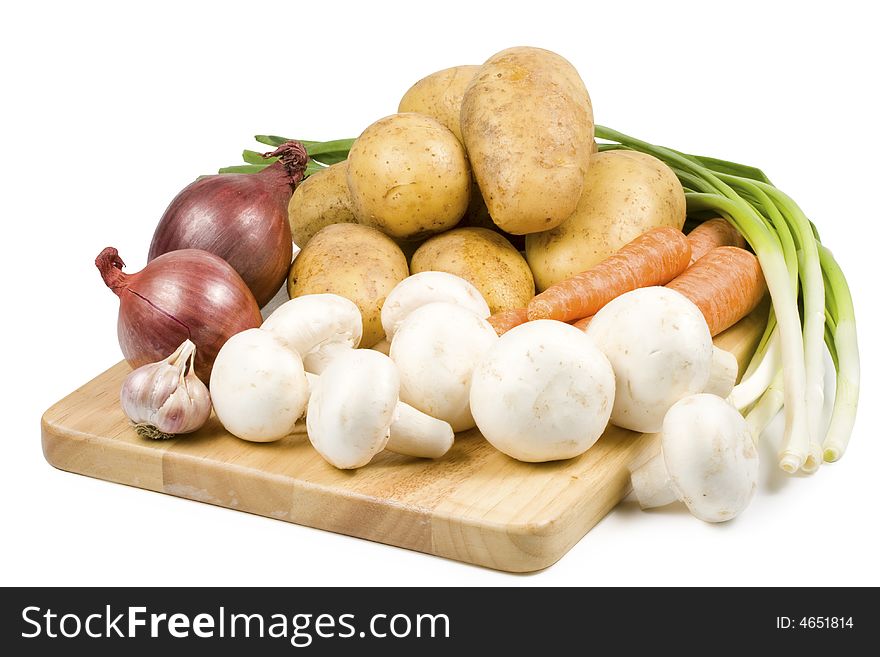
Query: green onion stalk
x=787, y=370
x=841, y=332
x=321, y=154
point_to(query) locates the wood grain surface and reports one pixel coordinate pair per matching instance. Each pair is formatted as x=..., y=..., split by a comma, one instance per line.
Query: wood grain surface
x=474, y=505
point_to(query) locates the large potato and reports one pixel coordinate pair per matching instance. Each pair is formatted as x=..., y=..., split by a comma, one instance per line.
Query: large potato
x=625, y=194
x=485, y=259
x=527, y=124
x=320, y=200
x=408, y=176
x=353, y=261
x=439, y=95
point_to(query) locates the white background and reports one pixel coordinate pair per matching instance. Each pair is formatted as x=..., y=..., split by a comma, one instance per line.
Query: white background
x=109, y=109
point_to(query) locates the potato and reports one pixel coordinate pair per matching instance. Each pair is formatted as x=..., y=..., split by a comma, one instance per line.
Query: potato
x=408, y=176
x=485, y=259
x=353, y=261
x=439, y=95
x=625, y=194
x=527, y=124
x=320, y=200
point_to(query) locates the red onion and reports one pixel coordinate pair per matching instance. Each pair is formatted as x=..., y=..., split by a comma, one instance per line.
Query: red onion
x=186, y=294
x=240, y=217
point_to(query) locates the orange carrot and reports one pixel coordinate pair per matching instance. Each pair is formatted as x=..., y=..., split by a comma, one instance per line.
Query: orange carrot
x=504, y=320
x=582, y=324
x=653, y=258
x=726, y=284
x=711, y=234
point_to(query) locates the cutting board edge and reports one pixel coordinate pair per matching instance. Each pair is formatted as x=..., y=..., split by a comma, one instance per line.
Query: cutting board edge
x=529, y=546
x=62, y=449
x=514, y=547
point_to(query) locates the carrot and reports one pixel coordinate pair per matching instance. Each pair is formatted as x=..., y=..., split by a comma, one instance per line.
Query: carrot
x=710, y=234
x=653, y=258
x=582, y=324
x=504, y=320
x=726, y=284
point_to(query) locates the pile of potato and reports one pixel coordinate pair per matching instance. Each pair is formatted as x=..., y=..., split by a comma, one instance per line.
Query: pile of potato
x=487, y=172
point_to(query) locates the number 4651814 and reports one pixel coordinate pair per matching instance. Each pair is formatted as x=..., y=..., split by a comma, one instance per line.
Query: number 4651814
x=814, y=622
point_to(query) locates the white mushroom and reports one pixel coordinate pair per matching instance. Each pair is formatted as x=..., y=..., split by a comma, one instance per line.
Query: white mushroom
x=543, y=392
x=707, y=460
x=427, y=287
x=722, y=373
x=318, y=327
x=412, y=432
x=354, y=405
x=262, y=388
x=659, y=345
x=436, y=349
x=258, y=387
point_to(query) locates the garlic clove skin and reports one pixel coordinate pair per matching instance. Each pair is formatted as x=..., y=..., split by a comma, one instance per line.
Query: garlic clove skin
x=163, y=399
x=146, y=390
x=186, y=409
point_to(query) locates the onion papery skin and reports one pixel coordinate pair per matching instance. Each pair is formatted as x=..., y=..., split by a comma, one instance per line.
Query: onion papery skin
x=240, y=217
x=184, y=294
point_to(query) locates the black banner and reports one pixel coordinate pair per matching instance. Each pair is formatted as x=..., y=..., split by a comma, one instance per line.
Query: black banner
x=431, y=621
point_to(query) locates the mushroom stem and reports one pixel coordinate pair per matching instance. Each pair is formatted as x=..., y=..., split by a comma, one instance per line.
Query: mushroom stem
x=652, y=485
x=722, y=373
x=414, y=433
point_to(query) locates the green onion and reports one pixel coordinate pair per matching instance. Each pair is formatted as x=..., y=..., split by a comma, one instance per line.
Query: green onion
x=321, y=154
x=759, y=375
x=243, y=168
x=845, y=353
x=767, y=407
x=253, y=157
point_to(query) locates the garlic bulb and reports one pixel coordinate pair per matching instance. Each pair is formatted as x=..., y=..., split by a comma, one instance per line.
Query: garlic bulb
x=166, y=398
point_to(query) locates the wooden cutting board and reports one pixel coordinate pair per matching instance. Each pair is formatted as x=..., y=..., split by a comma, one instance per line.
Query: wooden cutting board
x=474, y=505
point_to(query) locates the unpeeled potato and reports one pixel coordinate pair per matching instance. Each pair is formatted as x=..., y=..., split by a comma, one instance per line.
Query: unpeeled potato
x=483, y=258
x=353, y=261
x=320, y=200
x=625, y=194
x=408, y=176
x=439, y=95
x=527, y=124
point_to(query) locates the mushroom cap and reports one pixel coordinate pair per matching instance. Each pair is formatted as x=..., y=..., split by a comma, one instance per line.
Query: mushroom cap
x=352, y=406
x=436, y=349
x=427, y=287
x=659, y=345
x=315, y=326
x=258, y=387
x=543, y=392
x=710, y=457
